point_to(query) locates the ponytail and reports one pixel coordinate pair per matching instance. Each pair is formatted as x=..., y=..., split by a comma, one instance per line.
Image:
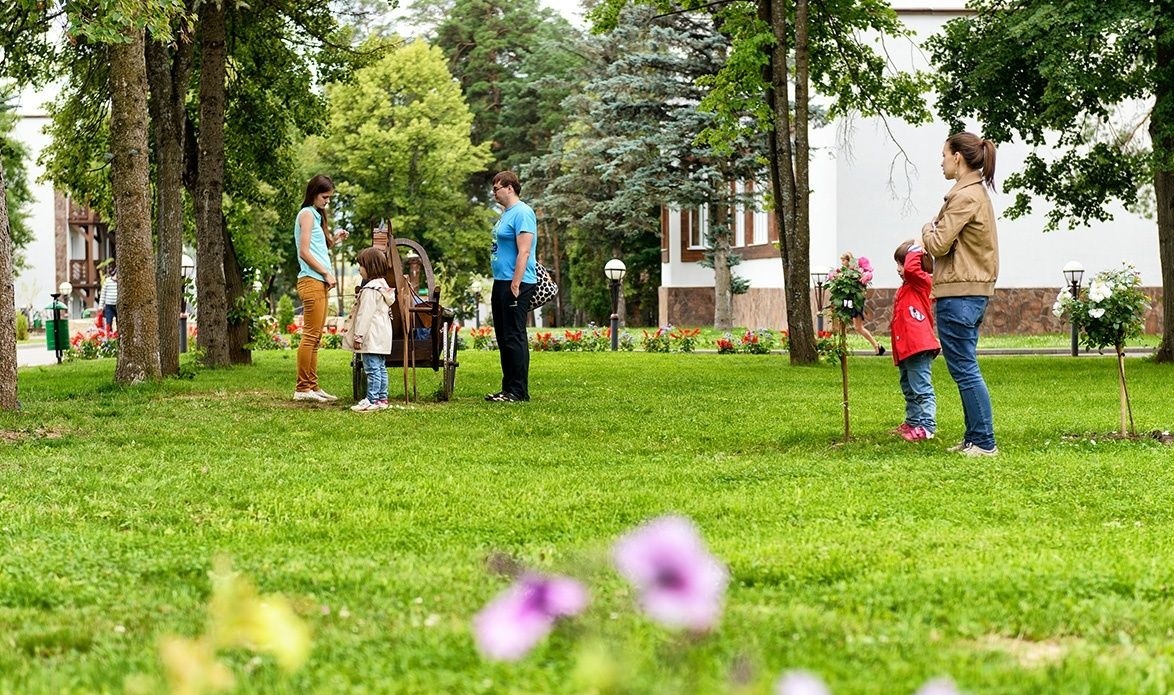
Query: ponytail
x=978, y=153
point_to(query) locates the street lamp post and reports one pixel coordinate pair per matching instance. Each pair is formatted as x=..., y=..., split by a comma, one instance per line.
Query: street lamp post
x=615, y=270
x=818, y=280
x=1073, y=274
x=187, y=268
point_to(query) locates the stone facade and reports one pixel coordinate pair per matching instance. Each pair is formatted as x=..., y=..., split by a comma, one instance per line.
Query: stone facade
x=1024, y=311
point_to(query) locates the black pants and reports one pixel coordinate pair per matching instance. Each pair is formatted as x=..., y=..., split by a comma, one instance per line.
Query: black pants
x=509, y=327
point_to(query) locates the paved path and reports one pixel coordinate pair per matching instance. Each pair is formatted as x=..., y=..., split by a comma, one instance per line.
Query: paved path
x=34, y=354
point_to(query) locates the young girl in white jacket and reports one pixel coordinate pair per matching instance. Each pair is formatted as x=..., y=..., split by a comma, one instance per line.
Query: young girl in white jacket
x=372, y=327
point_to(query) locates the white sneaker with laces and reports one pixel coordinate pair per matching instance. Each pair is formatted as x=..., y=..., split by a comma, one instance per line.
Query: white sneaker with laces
x=365, y=406
x=974, y=450
x=325, y=396
x=308, y=396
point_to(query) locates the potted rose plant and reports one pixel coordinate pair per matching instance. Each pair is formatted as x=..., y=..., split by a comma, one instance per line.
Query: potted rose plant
x=846, y=286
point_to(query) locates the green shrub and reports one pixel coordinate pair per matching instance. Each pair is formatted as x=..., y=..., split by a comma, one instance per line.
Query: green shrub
x=22, y=326
x=285, y=311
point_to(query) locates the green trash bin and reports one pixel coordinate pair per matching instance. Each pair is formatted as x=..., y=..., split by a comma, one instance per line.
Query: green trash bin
x=57, y=331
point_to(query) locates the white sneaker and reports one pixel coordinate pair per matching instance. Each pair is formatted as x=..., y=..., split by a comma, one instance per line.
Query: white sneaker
x=325, y=396
x=308, y=396
x=365, y=406
x=972, y=449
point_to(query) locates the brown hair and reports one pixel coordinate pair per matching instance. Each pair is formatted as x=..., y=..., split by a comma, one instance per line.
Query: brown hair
x=318, y=185
x=374, y=261
x=508, y=178
x=978, y=153
x=902, y=251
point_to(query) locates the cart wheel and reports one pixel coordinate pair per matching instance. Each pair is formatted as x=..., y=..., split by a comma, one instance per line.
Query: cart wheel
x=358, y=378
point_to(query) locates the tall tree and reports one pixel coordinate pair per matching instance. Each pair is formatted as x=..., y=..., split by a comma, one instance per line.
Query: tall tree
x=12, y=157
x=828, y=45
x=512, y=62
x=209, y=197
x=138, y=323
x=400, y=149
x=1082, y=83
x=8, y=386
x=169, y=67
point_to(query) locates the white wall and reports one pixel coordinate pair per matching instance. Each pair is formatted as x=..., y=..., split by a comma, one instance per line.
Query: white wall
x=885, y=200
x=39, y=279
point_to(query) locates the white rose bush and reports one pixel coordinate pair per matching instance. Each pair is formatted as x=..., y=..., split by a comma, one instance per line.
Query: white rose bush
x=1109, y=312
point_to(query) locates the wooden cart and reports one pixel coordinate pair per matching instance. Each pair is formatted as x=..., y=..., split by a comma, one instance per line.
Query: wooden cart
x=431, y=336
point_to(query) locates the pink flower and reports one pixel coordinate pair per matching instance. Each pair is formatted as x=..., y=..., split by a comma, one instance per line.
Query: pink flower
x=510, y=625
x=681, y=584
x=866, y=277
x=865, y=264
x=800, y=683
x=939, y=686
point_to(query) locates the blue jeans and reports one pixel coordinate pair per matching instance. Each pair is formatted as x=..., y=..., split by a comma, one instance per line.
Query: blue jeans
x=921, y=404
x=375, y=367
x=958, y=321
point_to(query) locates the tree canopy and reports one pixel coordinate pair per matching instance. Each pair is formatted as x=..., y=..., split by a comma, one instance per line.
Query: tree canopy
x=1089, y=85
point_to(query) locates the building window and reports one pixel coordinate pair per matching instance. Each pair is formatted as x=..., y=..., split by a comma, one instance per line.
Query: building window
x=698, y=220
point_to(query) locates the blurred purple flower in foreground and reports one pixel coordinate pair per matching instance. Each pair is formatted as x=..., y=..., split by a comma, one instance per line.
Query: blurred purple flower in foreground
x=509, y=627
x=804, y=683
x=801, y=683
x=681, y=584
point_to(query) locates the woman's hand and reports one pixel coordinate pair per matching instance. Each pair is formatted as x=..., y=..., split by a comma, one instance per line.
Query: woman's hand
x=341, y=236
x=330, y=281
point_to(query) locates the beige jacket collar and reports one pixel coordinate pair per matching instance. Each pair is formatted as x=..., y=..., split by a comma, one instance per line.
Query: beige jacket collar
x=967, y=180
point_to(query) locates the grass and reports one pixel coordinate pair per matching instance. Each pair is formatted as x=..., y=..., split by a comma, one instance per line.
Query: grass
x=876, y=563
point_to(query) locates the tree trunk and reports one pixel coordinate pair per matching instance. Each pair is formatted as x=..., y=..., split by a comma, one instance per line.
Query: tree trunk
x=138, y=308
x=794, y=244
x=723, y=309
x=1162, y=135
x=167, y=72
x=844, y=379
x=239, y=325
x=209, y=203
x=8, y=391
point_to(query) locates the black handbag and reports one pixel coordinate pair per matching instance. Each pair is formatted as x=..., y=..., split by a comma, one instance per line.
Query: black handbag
x=545, y=290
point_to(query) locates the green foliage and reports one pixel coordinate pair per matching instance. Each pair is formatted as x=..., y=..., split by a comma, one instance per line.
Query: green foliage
x=22, y=326
x=92, y=344
x=285, y=312
x=400, y=149
x=1109, y=312
x=12, y=157
x=846, y=286
x=1065, y=82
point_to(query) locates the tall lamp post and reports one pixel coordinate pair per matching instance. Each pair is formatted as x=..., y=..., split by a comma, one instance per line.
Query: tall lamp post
x=1073, y=274
x=818, y=281
x=187, y=268
x=615, y=271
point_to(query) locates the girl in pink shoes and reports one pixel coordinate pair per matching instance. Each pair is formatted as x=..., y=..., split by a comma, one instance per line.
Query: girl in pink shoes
x=914, y=344
x=372, y=327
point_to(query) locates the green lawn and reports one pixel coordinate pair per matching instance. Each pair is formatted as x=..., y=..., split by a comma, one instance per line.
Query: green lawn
x=877, y=564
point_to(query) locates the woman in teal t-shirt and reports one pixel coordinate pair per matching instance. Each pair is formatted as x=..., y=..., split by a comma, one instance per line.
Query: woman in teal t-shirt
x=313, y=239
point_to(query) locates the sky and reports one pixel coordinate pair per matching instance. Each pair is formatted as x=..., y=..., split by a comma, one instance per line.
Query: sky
x=571, y=9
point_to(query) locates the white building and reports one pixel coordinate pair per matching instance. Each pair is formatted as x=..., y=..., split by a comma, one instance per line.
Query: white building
x=865, y=200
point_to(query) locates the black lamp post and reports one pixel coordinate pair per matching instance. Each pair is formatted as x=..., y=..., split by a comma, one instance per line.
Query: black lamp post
x=615, y=270
x=1073, y=274
x=187, y=268
x=818, y=280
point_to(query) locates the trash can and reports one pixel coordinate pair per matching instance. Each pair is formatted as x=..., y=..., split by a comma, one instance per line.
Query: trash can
x=57, y=327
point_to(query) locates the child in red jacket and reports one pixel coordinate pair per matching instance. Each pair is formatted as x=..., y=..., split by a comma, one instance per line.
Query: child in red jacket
x=914, y=343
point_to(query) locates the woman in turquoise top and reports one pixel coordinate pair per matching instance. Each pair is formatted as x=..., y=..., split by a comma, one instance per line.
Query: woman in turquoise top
x=314, y=239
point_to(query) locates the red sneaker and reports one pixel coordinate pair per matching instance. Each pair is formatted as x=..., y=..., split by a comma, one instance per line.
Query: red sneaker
x=901, y=429
x=916, y=434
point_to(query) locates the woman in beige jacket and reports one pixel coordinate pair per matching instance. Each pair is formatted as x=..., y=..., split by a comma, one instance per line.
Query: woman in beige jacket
x=965, y=246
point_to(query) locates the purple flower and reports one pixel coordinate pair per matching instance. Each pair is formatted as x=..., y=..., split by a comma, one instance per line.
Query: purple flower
x=510, y=625
x=800, y=683
x=865, y=264
x=681, y=585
